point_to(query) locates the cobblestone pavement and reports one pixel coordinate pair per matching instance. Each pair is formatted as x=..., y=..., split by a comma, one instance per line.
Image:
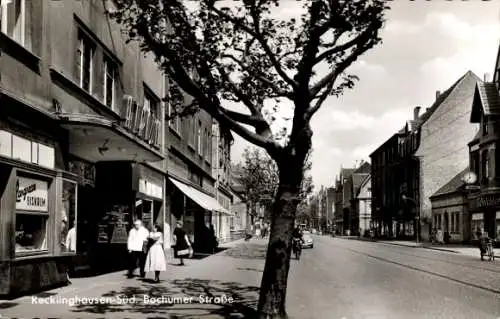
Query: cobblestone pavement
x=336, y=279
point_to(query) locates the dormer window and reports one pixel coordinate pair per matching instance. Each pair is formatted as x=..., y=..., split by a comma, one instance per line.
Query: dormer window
x=485, y=127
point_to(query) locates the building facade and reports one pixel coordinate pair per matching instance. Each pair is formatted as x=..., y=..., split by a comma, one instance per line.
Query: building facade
x=364, y=205
x=340, y=201
x=450, y=213
x=484, y=151
x=444, y=135
x=222, y=140
x=81, y=141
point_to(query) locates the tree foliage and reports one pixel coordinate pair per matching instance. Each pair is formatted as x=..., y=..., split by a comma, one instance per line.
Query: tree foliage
x=227, y=50
x=248, y=53
x=260, y=178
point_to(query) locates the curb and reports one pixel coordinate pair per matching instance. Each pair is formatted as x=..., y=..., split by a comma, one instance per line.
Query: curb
x=441, y=249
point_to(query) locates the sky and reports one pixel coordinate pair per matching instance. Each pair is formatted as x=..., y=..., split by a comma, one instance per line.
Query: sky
x=426, y=47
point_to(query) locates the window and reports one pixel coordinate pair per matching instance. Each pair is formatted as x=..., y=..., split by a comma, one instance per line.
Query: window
x=68, y=217
x=151, y=103
x=485, y=127
x=175, y=122
x=110, y=75
x=200, y=140
x=191, y=131
x=32, y=213
x=486, y=164
x=84, y=61
x=15, y=21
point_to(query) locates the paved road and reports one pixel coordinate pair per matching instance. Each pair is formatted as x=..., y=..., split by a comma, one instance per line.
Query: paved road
x=357, y=279
x=337, y=279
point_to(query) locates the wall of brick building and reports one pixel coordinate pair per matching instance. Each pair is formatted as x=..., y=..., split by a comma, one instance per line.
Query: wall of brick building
x=443, y=150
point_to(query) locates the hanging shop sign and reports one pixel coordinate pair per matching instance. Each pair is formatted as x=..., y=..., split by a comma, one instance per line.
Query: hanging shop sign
x=32, y=194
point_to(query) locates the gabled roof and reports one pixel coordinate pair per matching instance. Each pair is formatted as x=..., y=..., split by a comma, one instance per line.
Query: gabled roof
x=486, y=100
x=452, y=186
x=364, y=168
x=442, y=97
x=357, y=181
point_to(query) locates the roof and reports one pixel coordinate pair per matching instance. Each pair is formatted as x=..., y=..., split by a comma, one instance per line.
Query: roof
x=452, y=186
x=441, y=98
x=364, y=168
x=486, y=100
x=476, y=138
x=346, y=172
x=357, y=181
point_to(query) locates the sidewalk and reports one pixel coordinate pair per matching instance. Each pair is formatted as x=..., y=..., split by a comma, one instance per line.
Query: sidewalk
x=457, y=249
x=218, y=286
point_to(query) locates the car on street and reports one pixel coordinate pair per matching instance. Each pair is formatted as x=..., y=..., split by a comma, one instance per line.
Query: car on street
x=308, y=241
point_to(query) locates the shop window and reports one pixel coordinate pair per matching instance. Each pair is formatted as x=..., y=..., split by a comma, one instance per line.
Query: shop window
x=68, y=234
x=32, y=214
x=21, y=149
x=5, y=144
x=15, y=21
x=46, y=156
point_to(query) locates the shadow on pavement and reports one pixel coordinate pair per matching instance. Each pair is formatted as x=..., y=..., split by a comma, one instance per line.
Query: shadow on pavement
x=243, y=304
x=247, y=251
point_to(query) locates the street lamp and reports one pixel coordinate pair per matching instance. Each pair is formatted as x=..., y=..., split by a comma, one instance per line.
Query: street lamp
x=417, y=218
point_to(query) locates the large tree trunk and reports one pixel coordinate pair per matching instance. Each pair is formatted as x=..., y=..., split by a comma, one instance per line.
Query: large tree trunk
x=274, y=280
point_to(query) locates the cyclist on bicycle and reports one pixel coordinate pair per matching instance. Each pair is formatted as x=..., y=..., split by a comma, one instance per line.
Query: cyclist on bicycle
x=297, y=238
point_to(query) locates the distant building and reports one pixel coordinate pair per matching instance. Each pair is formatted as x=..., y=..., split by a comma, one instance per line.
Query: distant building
x=421, y=158
x=484, y=150
x=449, y=209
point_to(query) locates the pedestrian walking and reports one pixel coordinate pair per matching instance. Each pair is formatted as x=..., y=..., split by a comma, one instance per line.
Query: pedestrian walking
x=137, y=245
x=182, y=246
x=70, y=245
x=155, y=260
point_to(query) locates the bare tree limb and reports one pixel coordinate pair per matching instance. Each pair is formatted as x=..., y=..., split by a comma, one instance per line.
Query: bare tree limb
x=258, y=36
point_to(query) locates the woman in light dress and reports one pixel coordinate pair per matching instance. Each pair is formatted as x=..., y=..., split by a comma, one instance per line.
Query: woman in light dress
x=155, y=261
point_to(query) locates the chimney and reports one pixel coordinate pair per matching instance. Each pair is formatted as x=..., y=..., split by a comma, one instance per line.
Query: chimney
x=438, y=93
x=416, y=112
x=486, y=77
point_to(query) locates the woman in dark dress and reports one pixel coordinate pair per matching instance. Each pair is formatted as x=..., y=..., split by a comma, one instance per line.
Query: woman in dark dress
x=182, y=246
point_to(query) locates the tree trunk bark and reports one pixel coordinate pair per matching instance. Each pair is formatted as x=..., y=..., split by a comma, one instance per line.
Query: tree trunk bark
x=274, y=280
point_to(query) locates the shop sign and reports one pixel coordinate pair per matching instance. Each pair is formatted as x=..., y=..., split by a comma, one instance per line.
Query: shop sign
x=150, y=189
x=486, y=201
x=477, y=216
x=32, y=194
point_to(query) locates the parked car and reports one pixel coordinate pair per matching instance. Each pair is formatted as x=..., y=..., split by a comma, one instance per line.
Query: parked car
x=308, y=241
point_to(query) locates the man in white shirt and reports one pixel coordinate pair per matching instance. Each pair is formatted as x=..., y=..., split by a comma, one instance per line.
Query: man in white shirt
x=137, y=240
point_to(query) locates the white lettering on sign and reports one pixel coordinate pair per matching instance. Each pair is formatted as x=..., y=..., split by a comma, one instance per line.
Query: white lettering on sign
x=32, y=194
x=150, y=189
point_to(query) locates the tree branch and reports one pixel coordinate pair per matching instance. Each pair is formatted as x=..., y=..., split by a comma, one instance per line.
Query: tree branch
x=260, y=77
x=258, y=36
x=362, y=37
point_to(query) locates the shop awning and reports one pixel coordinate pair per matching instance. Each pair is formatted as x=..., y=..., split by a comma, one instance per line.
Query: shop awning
x=205, y=201
x=95, y=138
